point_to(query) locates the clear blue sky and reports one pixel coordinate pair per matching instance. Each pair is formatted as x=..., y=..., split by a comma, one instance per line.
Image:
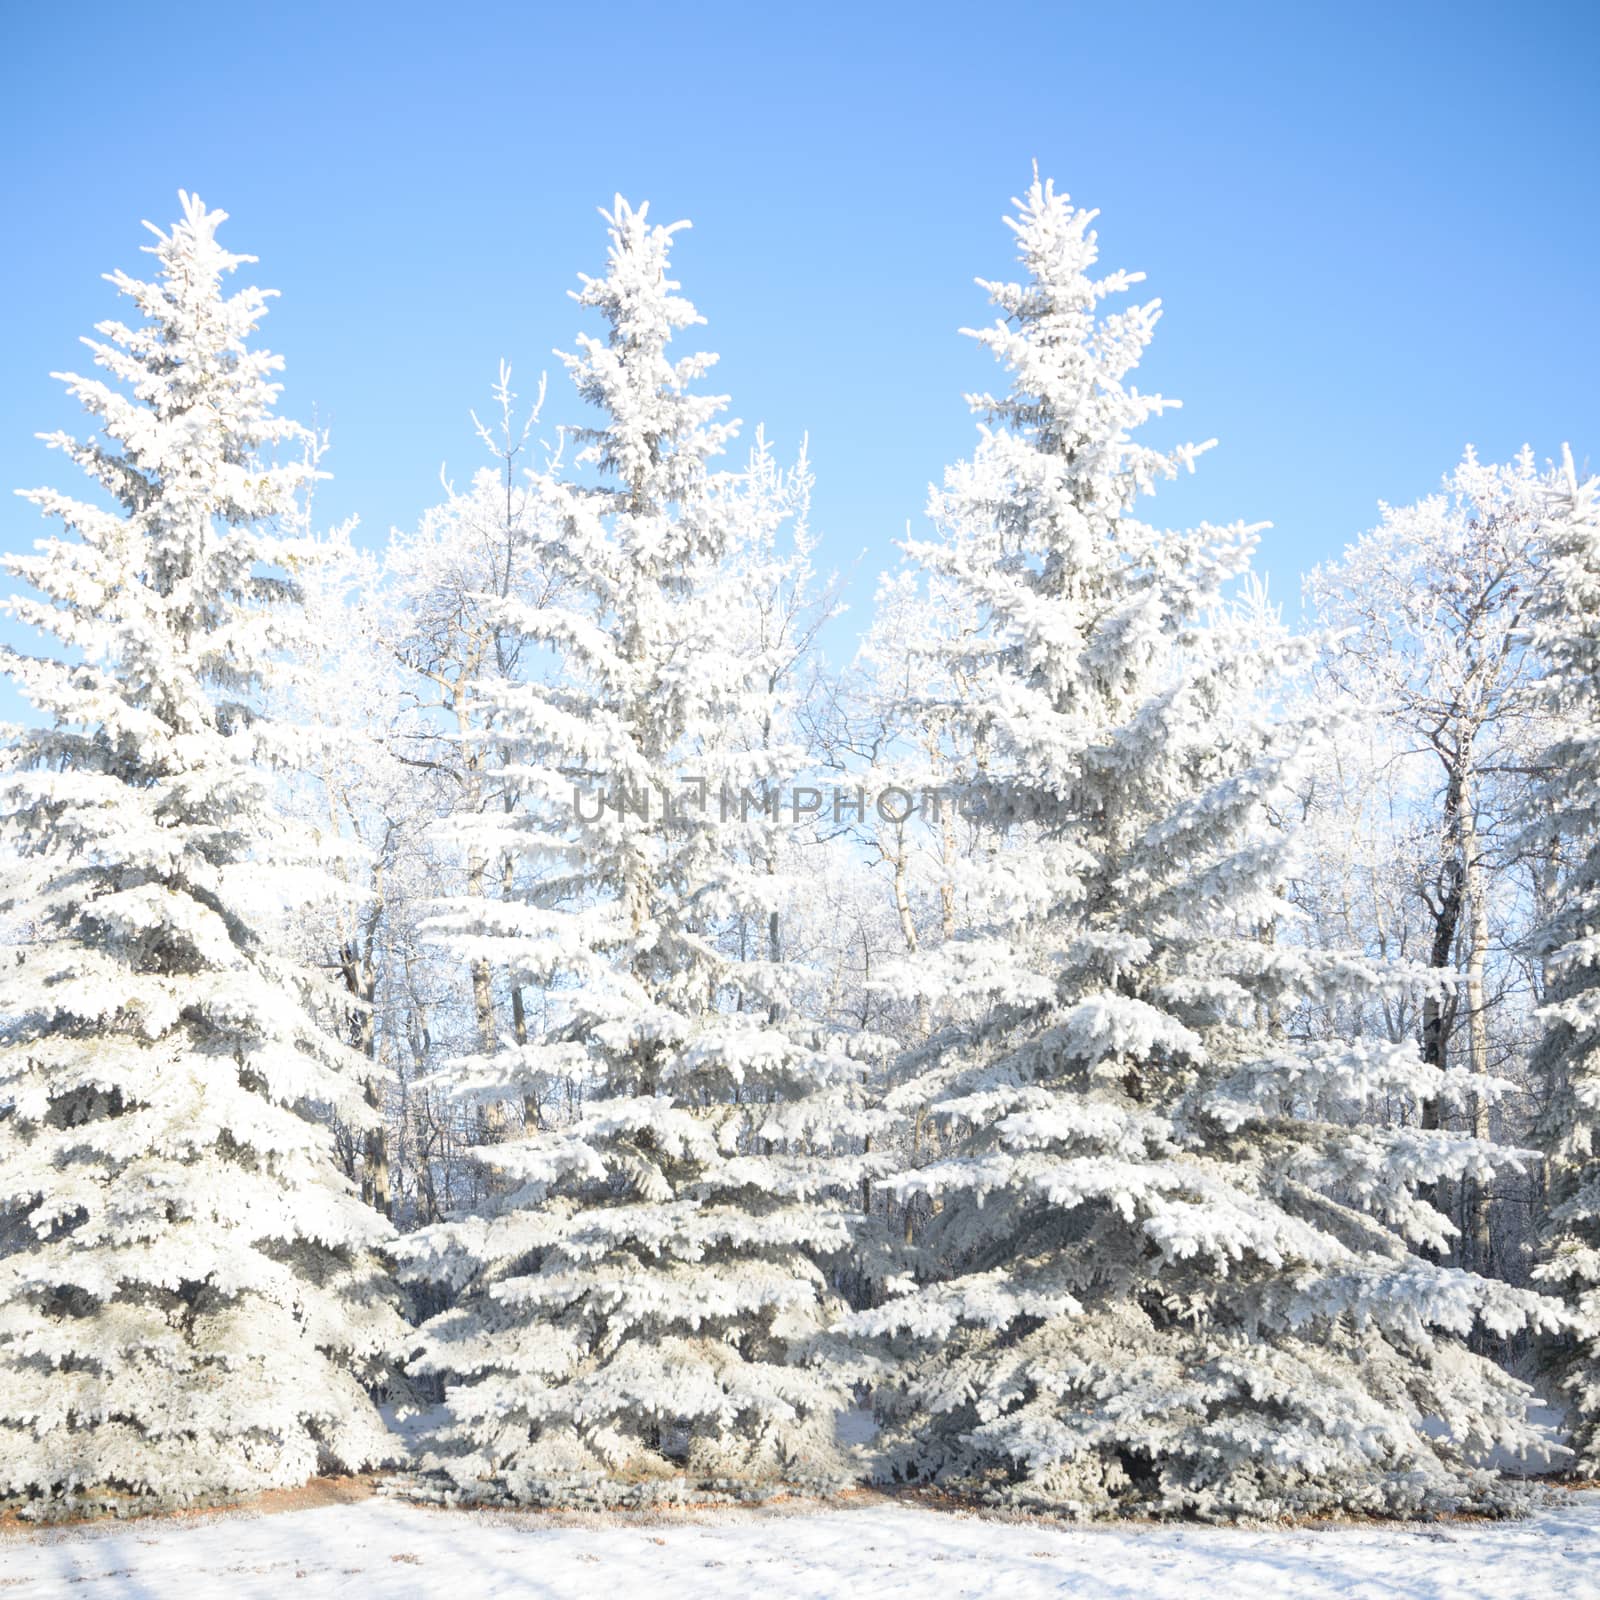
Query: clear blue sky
x=1373, y=226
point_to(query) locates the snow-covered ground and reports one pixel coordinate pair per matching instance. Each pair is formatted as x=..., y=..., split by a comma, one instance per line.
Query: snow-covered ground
x=883, y=1551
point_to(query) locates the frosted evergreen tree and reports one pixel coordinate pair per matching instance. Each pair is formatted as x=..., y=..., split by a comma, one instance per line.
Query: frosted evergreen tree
x=1168, y=1271
x=447, y=580
x=1567, y=816
x=189, y=1303
x=636, y=1315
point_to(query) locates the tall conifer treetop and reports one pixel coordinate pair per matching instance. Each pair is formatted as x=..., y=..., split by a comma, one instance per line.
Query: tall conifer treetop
x=638, y=1314
x=1169, y=1267
x=189, y=1306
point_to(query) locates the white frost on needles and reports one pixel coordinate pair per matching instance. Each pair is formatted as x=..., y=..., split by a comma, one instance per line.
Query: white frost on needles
x=189, y=1302
x=641, y=1306
x=1168, y=1269
x=1565, y=812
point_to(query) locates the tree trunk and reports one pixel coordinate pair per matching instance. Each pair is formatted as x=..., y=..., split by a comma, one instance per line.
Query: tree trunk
x=519, y=1014
x=908, y=925
x=361, y=983
x=1476, y=878
x=1438, y=1012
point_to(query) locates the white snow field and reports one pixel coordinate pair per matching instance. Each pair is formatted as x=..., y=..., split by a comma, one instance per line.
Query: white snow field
x=873, y=1548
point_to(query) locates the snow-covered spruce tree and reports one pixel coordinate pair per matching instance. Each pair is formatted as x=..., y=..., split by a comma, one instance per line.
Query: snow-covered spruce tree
x=189, y=1303
x=1167, y=1272
x=1566, y=812
x=633, y=1318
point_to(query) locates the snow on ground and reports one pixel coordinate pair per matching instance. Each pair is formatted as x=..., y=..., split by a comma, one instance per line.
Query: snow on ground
x=385, y=1549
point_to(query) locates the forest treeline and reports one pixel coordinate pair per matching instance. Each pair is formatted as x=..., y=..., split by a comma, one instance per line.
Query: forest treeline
x=1140, y=1051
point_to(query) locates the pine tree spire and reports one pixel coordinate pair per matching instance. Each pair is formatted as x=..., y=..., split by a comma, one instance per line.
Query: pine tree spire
x=636, y=1317
x=189, y=1305
x=1168, y=1269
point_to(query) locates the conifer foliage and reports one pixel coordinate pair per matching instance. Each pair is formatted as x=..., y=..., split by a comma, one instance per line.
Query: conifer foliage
x=189, y=1304
x=1566, y=816
x=624, y=1030
x=637, y=1313
x=1170, y=1269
